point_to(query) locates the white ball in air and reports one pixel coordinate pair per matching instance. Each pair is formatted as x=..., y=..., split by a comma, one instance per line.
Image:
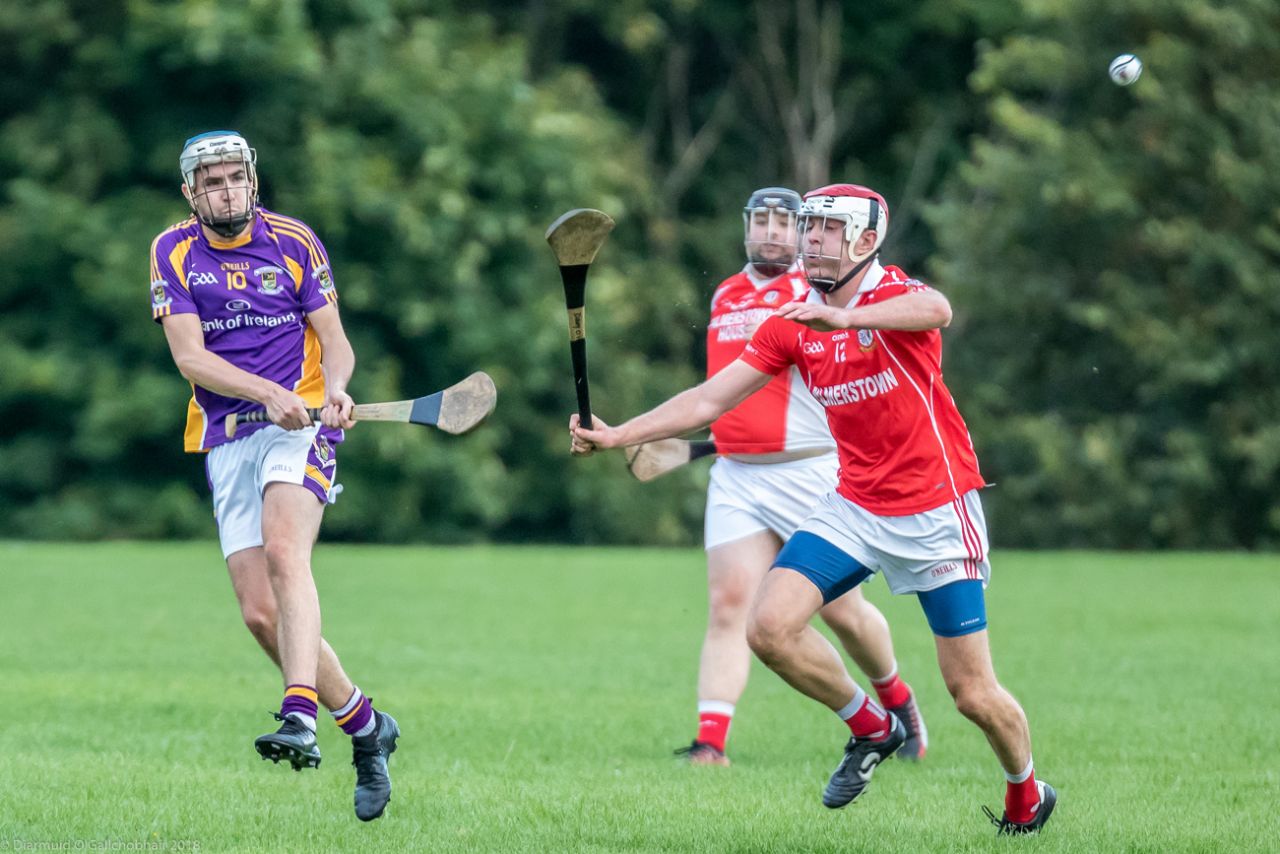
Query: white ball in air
x=1125, y=69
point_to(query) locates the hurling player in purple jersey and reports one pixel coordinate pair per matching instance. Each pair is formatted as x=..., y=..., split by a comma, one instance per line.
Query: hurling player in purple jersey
x=249, y=308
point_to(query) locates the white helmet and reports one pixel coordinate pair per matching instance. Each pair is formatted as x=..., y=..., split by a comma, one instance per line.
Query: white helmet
x=210, y=149
x=860, y=209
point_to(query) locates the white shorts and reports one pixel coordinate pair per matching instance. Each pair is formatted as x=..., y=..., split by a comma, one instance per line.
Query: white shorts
x=915, y=553
x=746, y=498
x=239, y=472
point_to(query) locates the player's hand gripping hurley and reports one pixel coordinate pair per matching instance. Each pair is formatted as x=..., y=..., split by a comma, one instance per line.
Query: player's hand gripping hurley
x=576, y=237
x=456, y=409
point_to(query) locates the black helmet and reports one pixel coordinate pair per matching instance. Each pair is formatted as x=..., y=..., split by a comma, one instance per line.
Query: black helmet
x=773, y=212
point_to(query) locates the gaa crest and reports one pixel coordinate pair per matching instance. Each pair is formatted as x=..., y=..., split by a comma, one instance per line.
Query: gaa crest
x=267, y=276
x=866, y=340
x=771, y=297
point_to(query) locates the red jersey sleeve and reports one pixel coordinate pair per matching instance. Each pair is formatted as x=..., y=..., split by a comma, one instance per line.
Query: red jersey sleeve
x=895, y=289
x=772, y=348
x=890, y=290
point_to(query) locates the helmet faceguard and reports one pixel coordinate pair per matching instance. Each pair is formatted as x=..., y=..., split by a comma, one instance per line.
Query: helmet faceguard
x=222, y=196
x=769, y=230
x=832, y=219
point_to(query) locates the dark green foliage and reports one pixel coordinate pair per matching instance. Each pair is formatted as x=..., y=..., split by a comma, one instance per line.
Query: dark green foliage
x=1114, y=252
x=1111, y=253
x=429, y=166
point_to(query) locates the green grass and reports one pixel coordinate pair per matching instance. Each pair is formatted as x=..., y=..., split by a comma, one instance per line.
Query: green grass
x=541, y=691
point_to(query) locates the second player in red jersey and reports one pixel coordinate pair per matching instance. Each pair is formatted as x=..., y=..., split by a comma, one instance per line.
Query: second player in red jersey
x=782, y=417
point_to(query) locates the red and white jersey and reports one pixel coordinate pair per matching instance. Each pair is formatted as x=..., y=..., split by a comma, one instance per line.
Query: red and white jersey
x=782, y=416
x=903, y=446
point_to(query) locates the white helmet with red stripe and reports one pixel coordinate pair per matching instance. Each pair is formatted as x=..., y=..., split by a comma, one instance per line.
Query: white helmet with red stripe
x=860, y=209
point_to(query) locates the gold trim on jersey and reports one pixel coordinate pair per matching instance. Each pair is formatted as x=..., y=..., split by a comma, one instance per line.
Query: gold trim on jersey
x=295, y=269
x=310, y=384
x=177, y=255
x=298, y=231
x=230, y=244
x=155, y=245
x=155, y=266
x=197, y=425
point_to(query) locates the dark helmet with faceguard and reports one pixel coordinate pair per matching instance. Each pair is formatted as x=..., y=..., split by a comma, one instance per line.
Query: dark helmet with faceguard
x=769, y=225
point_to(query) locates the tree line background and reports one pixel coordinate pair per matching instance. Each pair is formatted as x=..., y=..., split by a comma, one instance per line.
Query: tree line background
x=1111, y=254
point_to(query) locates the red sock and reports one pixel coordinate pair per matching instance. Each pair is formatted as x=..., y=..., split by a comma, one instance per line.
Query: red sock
x=713, y=726
x=1022, y=799
x=892, y=691
x=865, y=718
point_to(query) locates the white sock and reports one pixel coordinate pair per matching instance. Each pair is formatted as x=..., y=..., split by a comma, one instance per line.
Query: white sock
x=306, y=720
x=881, y=680
x=856, y=703
x=368, y=728
x=1020, y=778
x=349, y=706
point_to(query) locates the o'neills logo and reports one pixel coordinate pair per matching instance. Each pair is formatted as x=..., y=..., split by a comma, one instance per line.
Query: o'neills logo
x=857, y=390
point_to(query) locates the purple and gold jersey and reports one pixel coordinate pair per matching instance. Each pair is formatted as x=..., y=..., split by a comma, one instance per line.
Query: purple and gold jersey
x=252, y=296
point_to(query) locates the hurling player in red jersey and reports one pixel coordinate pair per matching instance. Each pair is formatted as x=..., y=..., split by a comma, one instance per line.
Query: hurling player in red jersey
x=777, y=460
x=868, y=346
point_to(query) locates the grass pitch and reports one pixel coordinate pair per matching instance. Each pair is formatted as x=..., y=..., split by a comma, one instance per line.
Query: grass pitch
x=541, y=692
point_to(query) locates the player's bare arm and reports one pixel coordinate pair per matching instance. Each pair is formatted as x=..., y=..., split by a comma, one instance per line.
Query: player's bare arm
x=211, y=371
x=338, y=361
x=915, y=311
x=689, y=410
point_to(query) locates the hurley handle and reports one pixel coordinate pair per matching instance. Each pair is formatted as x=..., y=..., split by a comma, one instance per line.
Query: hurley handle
x=574, y=277
x=578, y=350
x=257, y=416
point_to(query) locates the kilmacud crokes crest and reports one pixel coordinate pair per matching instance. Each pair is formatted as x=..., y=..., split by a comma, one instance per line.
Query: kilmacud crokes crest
x=323, y=449
x=866, y=340
x=159, y=299
x=270, y=285
x=325, y=278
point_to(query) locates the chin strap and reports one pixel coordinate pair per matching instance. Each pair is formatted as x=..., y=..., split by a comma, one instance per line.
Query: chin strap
x=229, y=228
x=848, y=277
